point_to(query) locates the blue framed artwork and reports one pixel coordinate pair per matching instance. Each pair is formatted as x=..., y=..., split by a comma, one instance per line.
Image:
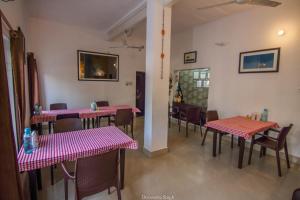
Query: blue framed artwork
x=266, y=60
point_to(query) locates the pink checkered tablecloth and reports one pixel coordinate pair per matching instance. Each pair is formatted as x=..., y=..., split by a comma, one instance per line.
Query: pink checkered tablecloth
x=241, y=126
x=50, y=115
x=59, y=147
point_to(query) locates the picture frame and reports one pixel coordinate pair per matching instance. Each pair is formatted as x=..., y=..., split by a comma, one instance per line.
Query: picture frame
x=190, y=57
x=96, y=66
x=260, y=61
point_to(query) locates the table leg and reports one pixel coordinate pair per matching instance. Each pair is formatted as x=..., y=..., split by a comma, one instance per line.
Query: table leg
x=264, y=149
x=83, y=123
x=122, y=166
x=215, y=144
x=241, y=153
x=88, y=123
x=40, y=131
x=39, y=179
x=32, y=184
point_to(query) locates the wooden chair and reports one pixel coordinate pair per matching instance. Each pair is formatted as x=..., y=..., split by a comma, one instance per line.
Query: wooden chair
x=56, y=106
x=65, y=125
x=94, y=174
x=274, y=143
x=102, y=104
x=191, y=115
x=296, y=194
x=124, y=117
x=212, y=115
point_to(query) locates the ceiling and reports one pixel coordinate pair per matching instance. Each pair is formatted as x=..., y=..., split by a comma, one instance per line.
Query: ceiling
x=96, y=14
x=185, y=14
x=101, y=14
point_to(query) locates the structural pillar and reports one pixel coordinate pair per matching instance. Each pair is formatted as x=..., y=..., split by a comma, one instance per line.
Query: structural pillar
x=157, y=77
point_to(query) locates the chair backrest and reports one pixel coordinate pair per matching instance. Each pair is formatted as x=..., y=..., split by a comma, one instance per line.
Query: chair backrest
x=102, y=103
x=212, y=115
x=193, y=115
x=66, y=116
x=66, y=125
x=97, y=173
x=296, y=194
x=58, y=106
x=124, y=117
x=282, y=135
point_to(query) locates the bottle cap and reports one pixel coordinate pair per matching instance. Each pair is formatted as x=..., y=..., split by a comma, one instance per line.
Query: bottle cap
x=27, y=131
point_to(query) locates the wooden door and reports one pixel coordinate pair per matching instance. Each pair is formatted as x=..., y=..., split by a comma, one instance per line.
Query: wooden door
x=140, y=92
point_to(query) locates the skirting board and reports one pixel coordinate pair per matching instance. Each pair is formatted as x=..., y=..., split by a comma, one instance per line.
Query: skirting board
x=155, y=153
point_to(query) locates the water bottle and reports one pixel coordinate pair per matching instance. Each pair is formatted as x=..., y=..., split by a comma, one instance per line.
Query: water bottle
x=93, y=106
x=27, y=141
x=264, y=115
x=35, y=140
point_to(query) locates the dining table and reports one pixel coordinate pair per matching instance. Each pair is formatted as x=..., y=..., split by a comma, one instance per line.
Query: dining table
x=69, y=146
x=86, y=114
x=240, y=126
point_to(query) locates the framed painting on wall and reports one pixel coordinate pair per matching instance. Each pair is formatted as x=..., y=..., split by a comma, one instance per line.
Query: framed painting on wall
x=190, y=57
x=266, y=60
x=95, y=66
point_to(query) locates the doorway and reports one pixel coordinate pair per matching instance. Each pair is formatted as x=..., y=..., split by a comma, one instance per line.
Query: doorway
x=140, y=93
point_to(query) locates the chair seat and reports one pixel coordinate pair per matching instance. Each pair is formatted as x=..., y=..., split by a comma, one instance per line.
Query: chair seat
x=266, y=142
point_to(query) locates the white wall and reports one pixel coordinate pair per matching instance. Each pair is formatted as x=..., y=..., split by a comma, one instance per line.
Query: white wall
x=239, y=94
x=55, y=46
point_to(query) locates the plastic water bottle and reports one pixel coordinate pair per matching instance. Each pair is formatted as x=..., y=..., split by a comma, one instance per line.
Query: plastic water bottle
x=264, y=115
x=35, y=140
x=27, y=141
x=93, y=106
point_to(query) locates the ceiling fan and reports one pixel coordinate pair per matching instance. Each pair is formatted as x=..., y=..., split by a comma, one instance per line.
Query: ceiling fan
x=125, y=44
x=268, y=3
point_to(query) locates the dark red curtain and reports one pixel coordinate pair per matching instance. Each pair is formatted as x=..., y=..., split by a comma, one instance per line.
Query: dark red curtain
x=33, y=81
x=18, y=64
x=9, y=181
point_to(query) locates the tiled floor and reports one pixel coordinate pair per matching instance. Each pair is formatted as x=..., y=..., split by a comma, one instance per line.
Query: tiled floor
x=190, y=172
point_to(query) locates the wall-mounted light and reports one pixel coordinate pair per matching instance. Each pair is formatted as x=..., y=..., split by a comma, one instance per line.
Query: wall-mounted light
x=281, y=32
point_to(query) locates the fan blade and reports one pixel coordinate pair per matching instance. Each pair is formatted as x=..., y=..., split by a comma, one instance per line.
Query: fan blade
x=136, y=47
x=217, y=5
x=118, y=47
x=264, y=3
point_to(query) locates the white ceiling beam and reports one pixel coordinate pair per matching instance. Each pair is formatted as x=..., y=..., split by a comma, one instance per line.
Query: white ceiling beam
x=169, y=3
x=128, y=21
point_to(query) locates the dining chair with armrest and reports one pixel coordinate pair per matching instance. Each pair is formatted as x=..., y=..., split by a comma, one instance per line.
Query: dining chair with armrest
x=212, y=115
x=56, y=106
x=124, y=117
x=275, y=143
x=191, y=115
x=102, y=104
x=94, y=174
x=65, y=125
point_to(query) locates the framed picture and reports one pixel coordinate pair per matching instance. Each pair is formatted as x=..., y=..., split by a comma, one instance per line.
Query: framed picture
x=190, y=57
x=266, y=60
x=196, y=75
x=95, y=66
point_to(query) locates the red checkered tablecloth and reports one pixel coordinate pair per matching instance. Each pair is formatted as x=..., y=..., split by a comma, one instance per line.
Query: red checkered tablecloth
x=241, y=126
x=47, y=116
x=59, y=147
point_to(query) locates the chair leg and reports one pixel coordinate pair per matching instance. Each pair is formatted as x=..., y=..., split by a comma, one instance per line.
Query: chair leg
x=278, y=162
x=220, y=143
x=231, y=141
x=131, y=126
x=66, y=188
x=203, y=140
x=119, y=193
x=286, y=155
x=195, y=128
x=201, y=130
x=108, y=190
x=261, y=152
x=187, y=130
x=52, y=175
x=251, y=150
x=179, y=124
x=49, y=127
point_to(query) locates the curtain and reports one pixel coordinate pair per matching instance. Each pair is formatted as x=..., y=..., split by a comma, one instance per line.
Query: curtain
x=18, y=64
x=33, y=80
